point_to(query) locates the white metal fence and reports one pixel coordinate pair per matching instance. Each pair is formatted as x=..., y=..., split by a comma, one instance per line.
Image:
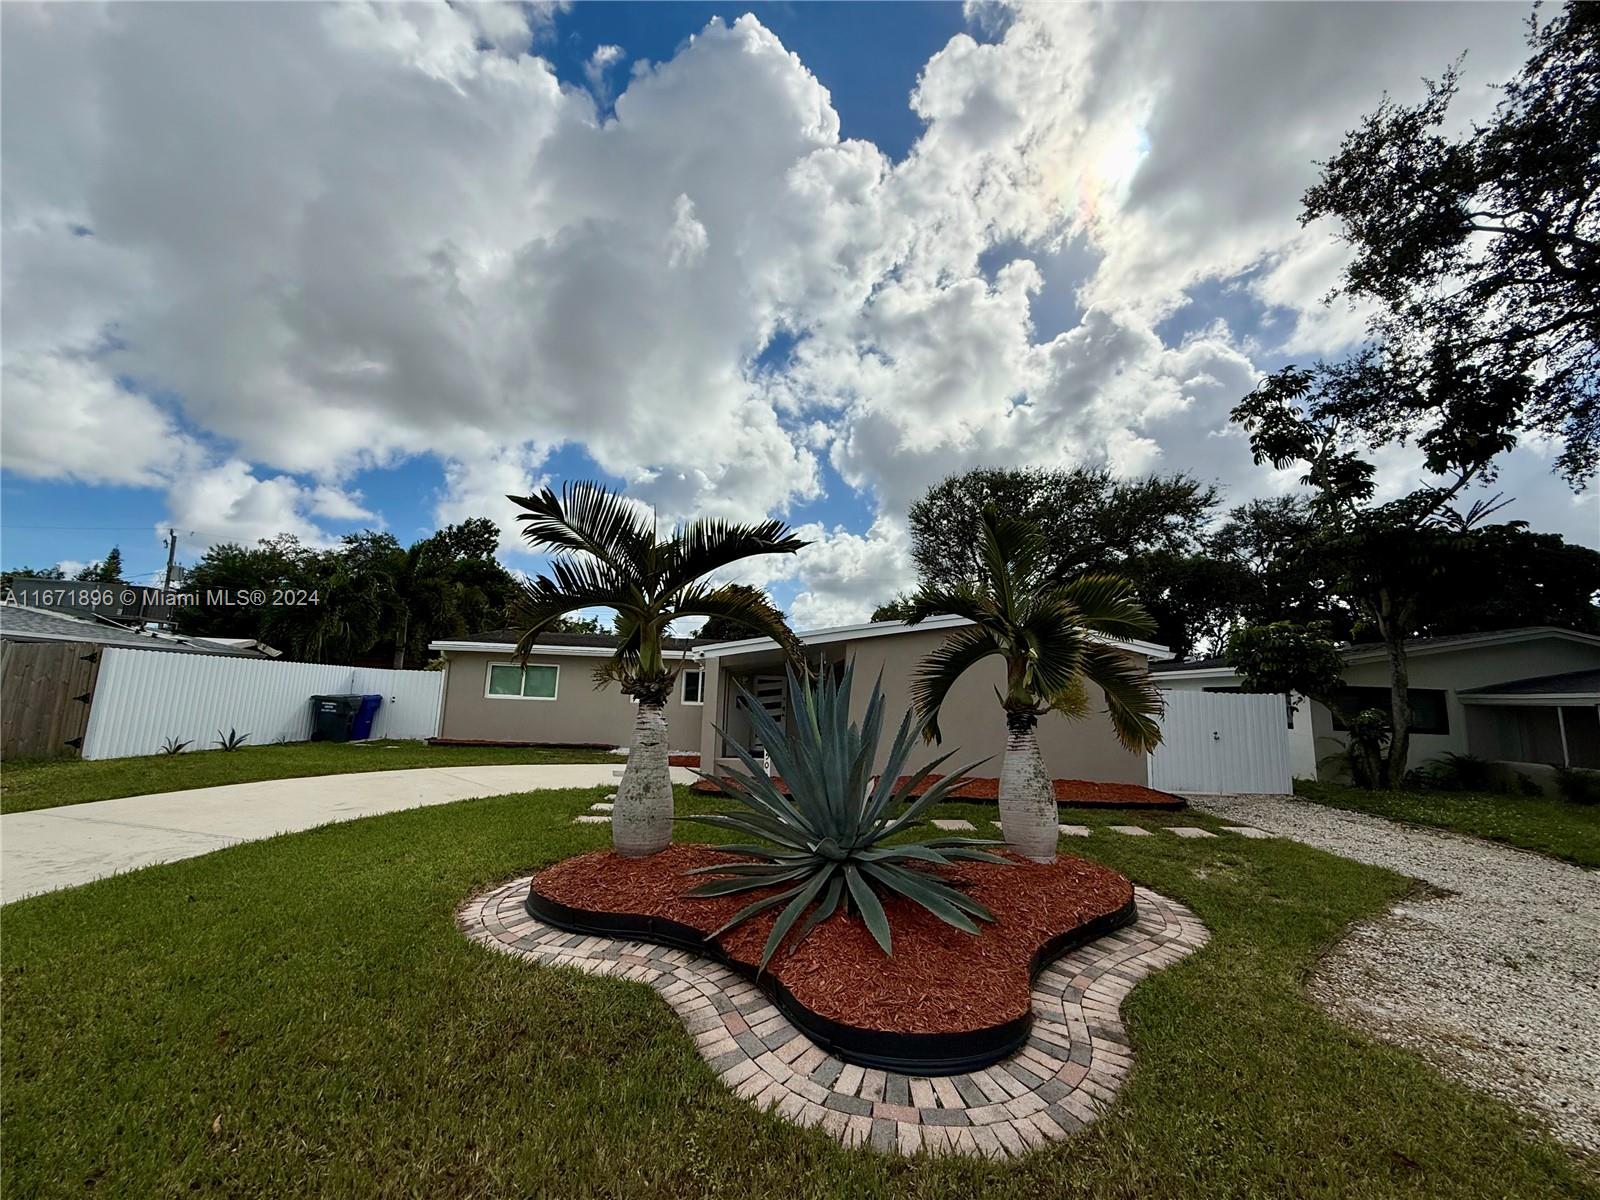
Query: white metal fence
x=1220, y=743
x=144, y=697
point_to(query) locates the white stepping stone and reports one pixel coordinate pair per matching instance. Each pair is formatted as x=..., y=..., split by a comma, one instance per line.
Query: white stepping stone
x=591, y=819
x=952, y=825
x=1130, y=830
x=1248, y=831
x=1075, y=830
x=1189, y=831
x=601, y=806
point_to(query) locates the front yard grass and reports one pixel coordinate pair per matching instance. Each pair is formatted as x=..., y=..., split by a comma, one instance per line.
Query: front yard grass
x=1545, y=824
x=27, y=784
x=300, y=1016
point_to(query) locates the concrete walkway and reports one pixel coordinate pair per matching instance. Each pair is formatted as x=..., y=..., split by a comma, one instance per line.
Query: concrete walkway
x=52, y=848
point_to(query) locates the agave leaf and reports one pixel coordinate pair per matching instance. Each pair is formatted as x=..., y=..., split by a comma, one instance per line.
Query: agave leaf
x=751, y=869
x=727, y=887
x=791, y=914
x=923, y=853
x=750, y=910
x=927, y=800
x=870, y=908
x=794, y=839
x=935, y=897
x=948, y=891
x=825, y=908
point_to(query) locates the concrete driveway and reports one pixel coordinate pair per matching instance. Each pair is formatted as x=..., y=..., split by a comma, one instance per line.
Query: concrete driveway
x=52, y=848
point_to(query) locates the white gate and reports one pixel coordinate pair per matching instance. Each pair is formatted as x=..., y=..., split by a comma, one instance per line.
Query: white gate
x=1222, y=743
x=143, y=697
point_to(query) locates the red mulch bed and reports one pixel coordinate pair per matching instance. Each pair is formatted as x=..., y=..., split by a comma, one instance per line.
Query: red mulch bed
x=939, y=980
x=1084, y=792
x=683, y=760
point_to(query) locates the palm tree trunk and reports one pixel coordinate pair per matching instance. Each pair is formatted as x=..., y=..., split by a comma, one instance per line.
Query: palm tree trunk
x=1028, y=817
x=641, y=819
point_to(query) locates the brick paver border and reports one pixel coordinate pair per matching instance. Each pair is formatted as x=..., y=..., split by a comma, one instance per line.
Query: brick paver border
x=1071, y=1067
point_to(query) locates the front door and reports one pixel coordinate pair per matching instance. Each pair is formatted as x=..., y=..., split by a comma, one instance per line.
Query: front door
x=771, y=693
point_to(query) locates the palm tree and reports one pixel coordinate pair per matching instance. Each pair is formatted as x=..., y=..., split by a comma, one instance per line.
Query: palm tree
x=609, y=555
x=1049, y=631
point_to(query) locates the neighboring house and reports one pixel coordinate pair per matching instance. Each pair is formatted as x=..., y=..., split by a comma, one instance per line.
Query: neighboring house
x=21, y=623
x=1528, y=698
x=553, y=701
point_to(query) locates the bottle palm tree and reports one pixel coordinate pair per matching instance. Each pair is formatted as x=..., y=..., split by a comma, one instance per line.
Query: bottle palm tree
x=1050, y=632
x=608, y=554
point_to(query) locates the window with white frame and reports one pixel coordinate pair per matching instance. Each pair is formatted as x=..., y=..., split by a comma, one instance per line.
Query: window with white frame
x=536, y=681
x=694, y=687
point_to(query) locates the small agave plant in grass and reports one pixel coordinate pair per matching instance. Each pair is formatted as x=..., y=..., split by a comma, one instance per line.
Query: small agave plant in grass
x=826, y=844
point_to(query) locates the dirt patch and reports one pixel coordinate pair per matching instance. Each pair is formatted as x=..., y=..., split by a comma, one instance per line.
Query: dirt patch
x=939, y=980
x=1087, y=793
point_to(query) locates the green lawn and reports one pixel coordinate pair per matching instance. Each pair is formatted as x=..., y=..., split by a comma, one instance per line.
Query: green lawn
x=1546, y=824
x=43, y=783
x=301, y=1017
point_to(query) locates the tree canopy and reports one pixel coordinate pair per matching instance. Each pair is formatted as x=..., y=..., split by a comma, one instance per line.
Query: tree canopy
x=373, y=596
x=1482, y=251
x=1150, y=529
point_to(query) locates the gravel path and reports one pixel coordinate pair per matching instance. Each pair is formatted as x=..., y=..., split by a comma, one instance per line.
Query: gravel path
x=1496, y=981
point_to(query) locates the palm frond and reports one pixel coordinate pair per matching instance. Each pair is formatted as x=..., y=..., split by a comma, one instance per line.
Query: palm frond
x=700, y=547
x=744, y=607
x=1132, y=698
x=590, y=518
x=938, y=672
x=1107, y=604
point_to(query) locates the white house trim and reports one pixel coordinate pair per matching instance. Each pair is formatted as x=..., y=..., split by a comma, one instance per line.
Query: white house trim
x=1500, y=637
x=851, y=633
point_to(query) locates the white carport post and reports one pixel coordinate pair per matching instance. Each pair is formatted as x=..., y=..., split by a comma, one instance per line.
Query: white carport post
x=1561, y=724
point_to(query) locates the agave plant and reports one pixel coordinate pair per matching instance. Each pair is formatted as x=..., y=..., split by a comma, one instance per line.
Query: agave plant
x=830, y=833
x=233, y=741
x=173, y=746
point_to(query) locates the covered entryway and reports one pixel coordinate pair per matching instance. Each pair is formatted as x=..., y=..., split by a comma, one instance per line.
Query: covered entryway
x=1218, y=743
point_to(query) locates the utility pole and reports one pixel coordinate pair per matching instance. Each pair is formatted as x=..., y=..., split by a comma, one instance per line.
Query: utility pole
x=164, y=609
x=172, y=553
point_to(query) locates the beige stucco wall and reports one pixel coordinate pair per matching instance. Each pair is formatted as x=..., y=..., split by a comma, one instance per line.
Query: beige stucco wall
x=972, y=722
x=578, y=715
x=1456, y=670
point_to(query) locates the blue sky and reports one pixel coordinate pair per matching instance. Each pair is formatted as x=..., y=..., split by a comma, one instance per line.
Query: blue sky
x=389, y=264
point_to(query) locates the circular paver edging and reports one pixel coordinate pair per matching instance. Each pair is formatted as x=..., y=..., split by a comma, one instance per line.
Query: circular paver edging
x=1074, y=1060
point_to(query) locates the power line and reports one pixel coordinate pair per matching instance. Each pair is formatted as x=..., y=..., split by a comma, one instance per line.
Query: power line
x=88, y=528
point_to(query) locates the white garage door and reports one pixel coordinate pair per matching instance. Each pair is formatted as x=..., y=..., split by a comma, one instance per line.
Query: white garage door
x=1220, y=743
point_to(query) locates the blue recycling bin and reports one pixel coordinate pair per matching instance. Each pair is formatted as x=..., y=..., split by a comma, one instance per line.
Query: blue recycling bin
x=361, y=727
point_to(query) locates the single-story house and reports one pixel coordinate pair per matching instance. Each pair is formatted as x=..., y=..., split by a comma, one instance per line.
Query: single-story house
x=552, y=700
x=1528, y=698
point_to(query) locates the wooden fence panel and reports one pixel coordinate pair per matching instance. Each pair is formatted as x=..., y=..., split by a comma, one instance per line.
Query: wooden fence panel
x=46, y=692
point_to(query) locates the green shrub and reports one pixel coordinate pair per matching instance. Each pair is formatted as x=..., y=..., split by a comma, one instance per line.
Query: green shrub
x=1578, y=785
x=829, y=833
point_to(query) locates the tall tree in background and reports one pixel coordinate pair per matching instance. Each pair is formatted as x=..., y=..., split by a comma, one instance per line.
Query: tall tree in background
x=1482, y=251
x=372, y=595
x=1278, y=573
x=608, y=554
x=1149, y=529
x=1384, y=560
x=107, y=570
